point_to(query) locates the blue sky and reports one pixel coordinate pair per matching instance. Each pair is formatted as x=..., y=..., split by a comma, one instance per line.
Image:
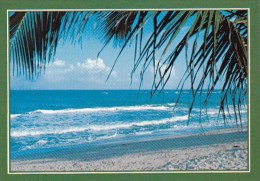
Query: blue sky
x=77, y=67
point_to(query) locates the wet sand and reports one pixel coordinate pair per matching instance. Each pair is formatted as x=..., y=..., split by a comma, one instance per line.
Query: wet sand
x=214, y=151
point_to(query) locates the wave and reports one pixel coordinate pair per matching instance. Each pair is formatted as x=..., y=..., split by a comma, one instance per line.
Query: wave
x=39, y=143
x=105, y=109
x=34, y=132
x=144, y=133
x=46, y=132
x=214, y=112
x=171, y=104
x=12, y=116
x=138, y=124
x=106, y=137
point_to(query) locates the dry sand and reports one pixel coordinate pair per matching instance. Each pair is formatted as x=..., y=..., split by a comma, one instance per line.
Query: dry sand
x=227, y=156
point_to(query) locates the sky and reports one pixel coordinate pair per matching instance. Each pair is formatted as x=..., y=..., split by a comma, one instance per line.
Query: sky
x=77, y=67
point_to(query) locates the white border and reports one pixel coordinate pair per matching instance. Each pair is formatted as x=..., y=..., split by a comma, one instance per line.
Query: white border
x=136, y=9
x=8, y=91
x=123, y=172
x=249, y=89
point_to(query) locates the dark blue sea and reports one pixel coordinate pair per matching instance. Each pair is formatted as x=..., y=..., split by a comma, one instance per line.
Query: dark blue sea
x=46, y=121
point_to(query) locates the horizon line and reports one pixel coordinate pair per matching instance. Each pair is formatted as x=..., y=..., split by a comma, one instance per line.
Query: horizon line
x=101, y=90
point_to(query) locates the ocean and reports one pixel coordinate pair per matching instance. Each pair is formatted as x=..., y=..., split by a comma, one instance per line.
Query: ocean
x=44, y=123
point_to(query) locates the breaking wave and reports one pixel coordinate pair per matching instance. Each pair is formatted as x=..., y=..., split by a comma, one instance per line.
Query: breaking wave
x=62, y=130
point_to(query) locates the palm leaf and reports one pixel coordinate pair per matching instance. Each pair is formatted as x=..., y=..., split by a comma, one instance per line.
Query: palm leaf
x=224, y=44
x=221, y=55
x=34, y=37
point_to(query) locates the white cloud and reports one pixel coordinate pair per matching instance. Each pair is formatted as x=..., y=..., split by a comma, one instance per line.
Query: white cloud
x=87, y=74
x=91, y=70
x=59, y=63
x=94, y=65
x=57, y=69
x=95, y=69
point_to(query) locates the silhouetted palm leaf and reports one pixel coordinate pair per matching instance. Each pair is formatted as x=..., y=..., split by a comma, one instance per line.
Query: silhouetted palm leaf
x=34, y=37
x=224, y=44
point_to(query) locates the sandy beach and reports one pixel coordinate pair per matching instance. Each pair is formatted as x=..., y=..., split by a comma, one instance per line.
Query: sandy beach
x=227, y=151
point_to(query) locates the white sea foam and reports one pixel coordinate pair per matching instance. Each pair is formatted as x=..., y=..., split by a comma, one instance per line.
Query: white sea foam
x=107, y=137
x=33, y=132
x=104, y=109
x=144, y=133
x=215, y=112
x=171, y=104
x=12, y=116
x=140, y=124
x=39, y=143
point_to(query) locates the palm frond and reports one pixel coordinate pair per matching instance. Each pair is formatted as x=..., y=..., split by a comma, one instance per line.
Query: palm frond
x=34, y=37
x=221, y=53
x=214, y=44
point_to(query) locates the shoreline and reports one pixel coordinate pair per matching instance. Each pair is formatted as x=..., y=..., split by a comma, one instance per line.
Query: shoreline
x=93, y=151
x=221, y=157
x=224, y=150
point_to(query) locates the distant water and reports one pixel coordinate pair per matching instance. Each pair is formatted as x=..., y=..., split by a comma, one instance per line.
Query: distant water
x=48, y=120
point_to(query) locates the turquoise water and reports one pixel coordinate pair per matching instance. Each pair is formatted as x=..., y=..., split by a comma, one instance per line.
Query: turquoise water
x=46, y=121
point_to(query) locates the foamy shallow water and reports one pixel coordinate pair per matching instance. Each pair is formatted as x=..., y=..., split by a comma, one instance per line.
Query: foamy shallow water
x=46, y=122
